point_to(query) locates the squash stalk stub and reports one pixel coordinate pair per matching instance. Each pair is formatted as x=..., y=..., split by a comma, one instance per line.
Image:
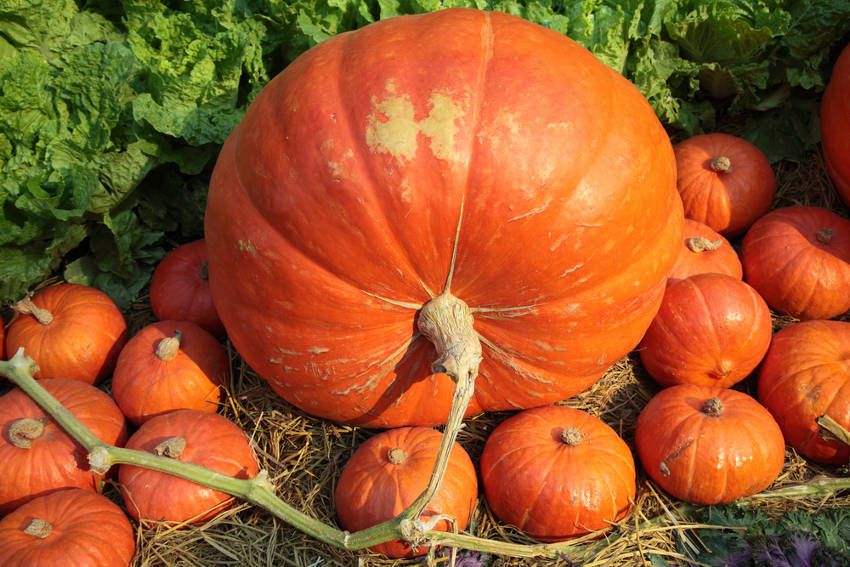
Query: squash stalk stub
x=172, y=447
x=26, y=430
x=712, y=407
x=168, y=347
x=825, y=235
x=699, y=244
x=26, y=307
x=571, y=436
x=396, y=456
x=721, y=164
x=38, y=528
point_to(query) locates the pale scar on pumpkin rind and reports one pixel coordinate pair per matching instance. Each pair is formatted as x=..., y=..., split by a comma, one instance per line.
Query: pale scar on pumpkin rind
x=665, y=470
x=392, y=127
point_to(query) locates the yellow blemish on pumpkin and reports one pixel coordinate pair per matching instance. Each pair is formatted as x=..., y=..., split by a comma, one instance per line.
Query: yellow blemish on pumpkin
x=246, y=246
x=397, y=134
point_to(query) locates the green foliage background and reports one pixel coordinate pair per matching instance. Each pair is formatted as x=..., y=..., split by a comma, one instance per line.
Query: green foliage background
x=112, y=113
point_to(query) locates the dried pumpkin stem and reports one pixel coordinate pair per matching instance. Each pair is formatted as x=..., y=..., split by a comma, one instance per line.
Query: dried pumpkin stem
x=168, y=348
x=699, y=244
x=447, y=322
x=571, y=436
x=26, y=307
x=831, y=429
x=38, y=528
x=396, y=456
x=712, y=407
x=825, y=235
x=204, y=272
x=721, y=164
x=172, y=447
x=24, y=431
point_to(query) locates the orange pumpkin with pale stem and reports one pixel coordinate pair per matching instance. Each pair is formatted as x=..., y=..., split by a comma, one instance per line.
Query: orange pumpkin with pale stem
x=711, y=329
x=70, y=330
x=390, y=470
x=805, y=376
x=835, y=123
x=709, y=445
x=498, y=164
x=725, y=181
x=166, y=366
x=798, y=259
x=557, y=473
x=37, y=457
x=704, y=251
x=191, y=436
x=69, y=527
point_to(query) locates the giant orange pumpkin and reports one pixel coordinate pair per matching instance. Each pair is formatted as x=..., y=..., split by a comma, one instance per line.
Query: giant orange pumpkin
x=459, y=152
x=834, y=124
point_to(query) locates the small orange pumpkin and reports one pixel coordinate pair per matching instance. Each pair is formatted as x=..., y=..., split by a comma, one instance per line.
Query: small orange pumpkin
x=798, y=259
x=191, y=436
x=180, y=288
x=711, y=329
x=805, y=376
x=71, y=330
x=390, y=470
x=166, y=366
x=725, y=181
x=68, y=527
x=556, y=473
x=709, y=445
x=704, y=251
x=37, y=457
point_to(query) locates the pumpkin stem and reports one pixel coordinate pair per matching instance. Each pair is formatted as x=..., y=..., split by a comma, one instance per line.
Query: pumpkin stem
x=172, y=447
x=168, y=347
x=701, y=244
x=24, y=431
x=571, y=436
x=712, y=407
x=825, y=235
x=204, y=272
x=396, y=456
x=447, y=322
x=26, y=307
x=38, y=528
x=829, y=429
x=721, y=164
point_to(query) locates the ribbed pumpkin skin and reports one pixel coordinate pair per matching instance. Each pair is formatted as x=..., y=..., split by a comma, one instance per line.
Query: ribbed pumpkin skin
x=835, y=123
x=144, y=385
x=212, y=441
x=711, y=329
x=54, y=460
x=703, y=459
x=549, y=489
x=335, y=207
x=789, y=261
x=727, y=201
x=180, y=288
x=83, y=340
x=694, y=260
x=88, y=530
x=372, y=489
x=806, y=374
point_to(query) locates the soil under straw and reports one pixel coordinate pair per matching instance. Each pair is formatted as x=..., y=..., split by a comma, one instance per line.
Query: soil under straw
x=304, y=456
